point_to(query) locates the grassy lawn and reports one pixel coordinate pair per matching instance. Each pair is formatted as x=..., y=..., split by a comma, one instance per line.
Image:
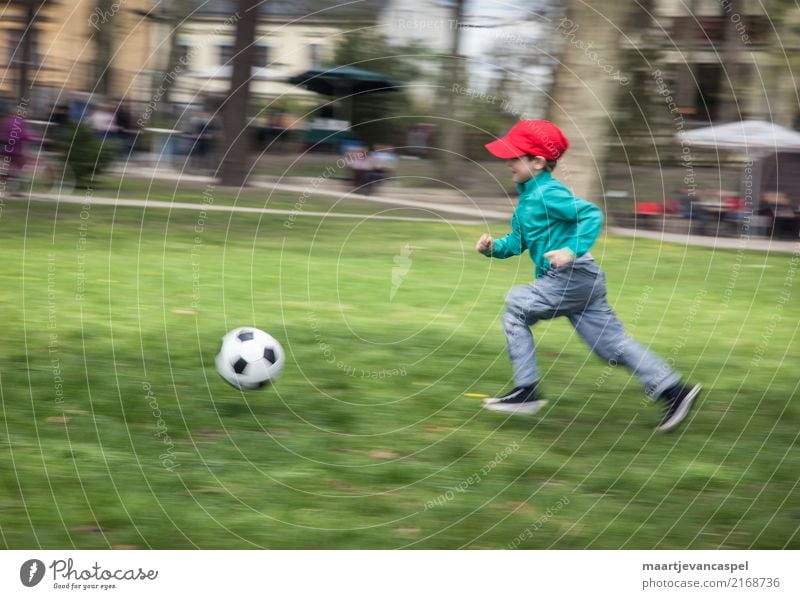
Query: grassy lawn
x=116, y=430
x=305, y=198
x=133, y=187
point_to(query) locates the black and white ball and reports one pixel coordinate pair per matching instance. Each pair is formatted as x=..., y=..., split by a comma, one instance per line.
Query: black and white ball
x=249, y=358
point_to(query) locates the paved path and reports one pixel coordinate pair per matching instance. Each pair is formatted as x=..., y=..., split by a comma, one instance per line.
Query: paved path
x=760, y=244
x=197, y=206
x=438, y=201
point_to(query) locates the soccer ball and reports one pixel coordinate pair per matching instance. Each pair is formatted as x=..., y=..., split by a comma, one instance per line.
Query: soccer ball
x=249, y=358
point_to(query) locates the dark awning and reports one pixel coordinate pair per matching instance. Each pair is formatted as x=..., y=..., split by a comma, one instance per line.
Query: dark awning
x=343, y=81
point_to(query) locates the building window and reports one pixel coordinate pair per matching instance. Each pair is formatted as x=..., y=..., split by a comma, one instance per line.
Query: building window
x=712, y=30
x=15, y=50
x=314, y=55
x=707, y=94
x=225, y=54
x=184, y=55
x=260, y=56
x=758, y=29
x=698, y=30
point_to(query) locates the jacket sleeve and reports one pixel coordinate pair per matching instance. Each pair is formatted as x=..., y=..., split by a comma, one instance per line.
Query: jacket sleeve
x=512, y=244
x=588, y=218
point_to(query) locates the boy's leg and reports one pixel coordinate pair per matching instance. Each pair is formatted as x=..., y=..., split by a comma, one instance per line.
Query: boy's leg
x=603, y=332
x=518, y=317
x=556, y=294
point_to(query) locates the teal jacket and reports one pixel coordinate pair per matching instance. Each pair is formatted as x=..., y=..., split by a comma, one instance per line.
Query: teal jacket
x=548, y=217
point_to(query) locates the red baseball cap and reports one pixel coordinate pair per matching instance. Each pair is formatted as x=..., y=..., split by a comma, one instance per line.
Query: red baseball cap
x=531, y=137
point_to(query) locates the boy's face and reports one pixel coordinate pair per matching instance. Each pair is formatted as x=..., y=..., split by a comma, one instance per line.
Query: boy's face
x=525, y=168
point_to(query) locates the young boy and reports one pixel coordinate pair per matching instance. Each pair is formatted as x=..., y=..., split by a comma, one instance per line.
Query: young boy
x=558, y=230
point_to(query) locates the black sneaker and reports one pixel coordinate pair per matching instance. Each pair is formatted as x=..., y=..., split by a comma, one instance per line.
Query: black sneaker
x=679, y=400
x=522, y=400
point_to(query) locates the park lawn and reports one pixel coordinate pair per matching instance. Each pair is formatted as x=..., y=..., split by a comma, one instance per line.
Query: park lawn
x=323, y=196
x=188, y=191
x=116, y=430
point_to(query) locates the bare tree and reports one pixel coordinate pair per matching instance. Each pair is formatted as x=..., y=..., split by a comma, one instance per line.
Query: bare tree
x=235, y=108
x=584, y=91
x=452, y=133
x=29, y=12
x=732, y=98
x=686, y=72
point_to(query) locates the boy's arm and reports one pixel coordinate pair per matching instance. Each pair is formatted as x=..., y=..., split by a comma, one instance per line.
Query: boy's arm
x=588, y=218
x=512, y=244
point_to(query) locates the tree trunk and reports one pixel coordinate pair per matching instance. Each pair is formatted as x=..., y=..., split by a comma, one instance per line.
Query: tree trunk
x=24, y=66
x=452, y=131
x=584, y=92
x=235, y=153
x=685, y=73
x=104, y=40
x=732, y=97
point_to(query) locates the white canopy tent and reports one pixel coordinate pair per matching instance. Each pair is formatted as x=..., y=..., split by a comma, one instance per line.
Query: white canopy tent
x=772, y=160
x=754, y=138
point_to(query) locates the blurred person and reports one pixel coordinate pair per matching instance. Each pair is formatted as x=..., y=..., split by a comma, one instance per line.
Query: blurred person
x=103, y=122
x=778, y=207
x=382, y=164
x=125, y=130
x=59, y=116
x=79, y=106
x=357, y=158
x=57, y=129
x=204, y=130
x=14, y=135
x=558, y=230
x=384, y=161
x=734, y=212
x=683, y=202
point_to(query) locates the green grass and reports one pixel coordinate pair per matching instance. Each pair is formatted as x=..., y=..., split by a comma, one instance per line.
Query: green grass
x=305, y=199
x=129, y=300
x=130, y=187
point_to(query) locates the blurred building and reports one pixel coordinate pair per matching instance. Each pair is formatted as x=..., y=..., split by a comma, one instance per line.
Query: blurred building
x=63, y=42
x=719, y=60
x=69, y=39
x=291, y=37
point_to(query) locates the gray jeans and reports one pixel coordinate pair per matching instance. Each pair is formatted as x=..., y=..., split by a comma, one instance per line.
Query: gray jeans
x=578, y=291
